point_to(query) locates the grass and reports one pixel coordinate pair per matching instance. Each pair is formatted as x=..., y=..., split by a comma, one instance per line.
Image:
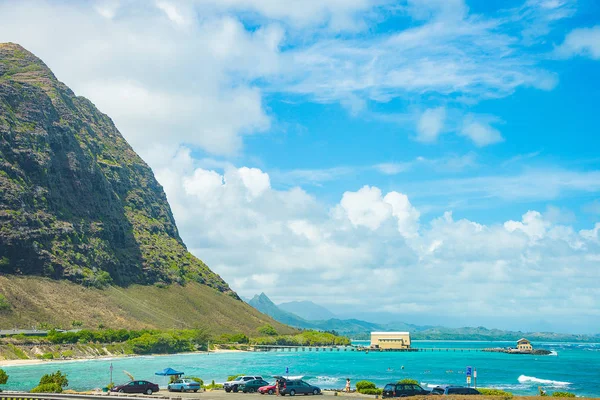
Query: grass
x=35, y=301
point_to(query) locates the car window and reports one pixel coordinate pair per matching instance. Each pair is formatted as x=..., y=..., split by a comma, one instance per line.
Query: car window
x=389, y=388
x=131, y=383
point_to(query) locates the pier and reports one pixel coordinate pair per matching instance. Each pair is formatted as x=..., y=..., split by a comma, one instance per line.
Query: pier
x=290, y=348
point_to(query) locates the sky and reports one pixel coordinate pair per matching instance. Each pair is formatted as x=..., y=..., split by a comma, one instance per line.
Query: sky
x=425, y=161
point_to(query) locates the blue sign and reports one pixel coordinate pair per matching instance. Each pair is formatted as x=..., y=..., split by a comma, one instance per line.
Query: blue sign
x=469, y=371
x=287, y=370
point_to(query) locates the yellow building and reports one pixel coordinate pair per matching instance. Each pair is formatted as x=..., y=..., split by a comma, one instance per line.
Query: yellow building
x=524, y=345
x=390, y=340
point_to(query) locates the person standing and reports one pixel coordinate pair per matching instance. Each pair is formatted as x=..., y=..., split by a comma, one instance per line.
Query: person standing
x=347, y=385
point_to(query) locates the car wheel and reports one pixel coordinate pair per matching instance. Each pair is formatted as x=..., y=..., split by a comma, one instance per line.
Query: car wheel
x=149, y=391
x=235, y=389
x=315, y=392
x=121, y=391
x=228, y=390
x=270, y=391
x=195, y=390
x=169, y=388
x=292, y=392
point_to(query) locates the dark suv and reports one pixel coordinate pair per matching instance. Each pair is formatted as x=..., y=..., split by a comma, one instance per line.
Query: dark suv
x=403, y=390
x=448, y=390
x=293, y=387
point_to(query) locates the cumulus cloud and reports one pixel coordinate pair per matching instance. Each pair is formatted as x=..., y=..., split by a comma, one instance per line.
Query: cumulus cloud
x=369, y=239
x=581, y=42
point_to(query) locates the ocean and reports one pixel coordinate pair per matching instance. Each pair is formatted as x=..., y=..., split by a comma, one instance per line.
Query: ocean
x=573, y=367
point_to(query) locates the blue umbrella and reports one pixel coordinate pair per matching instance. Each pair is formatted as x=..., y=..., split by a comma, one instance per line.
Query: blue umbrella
x=168, y=372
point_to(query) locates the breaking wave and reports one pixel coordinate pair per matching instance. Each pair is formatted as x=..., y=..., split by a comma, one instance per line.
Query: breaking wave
x=523, y=379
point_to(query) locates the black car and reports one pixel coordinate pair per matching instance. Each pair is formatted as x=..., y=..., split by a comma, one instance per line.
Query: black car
x=252, y=386
x=136, y=387
x=294, y=387
x=448, y=390
x=403, y=390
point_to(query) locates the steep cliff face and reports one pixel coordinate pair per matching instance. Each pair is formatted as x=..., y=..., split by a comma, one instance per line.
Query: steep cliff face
x=76, y=201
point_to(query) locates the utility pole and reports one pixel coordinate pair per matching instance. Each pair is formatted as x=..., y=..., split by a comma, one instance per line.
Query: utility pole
x=111, y=371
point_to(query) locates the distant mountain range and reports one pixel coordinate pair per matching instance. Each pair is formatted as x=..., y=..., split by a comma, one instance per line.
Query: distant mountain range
x=308, y=313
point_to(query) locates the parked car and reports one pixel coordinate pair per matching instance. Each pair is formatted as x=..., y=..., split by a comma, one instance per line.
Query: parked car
x=447, y=390
x=403, y=390
x=183, y=385
x=293, y=387
x=252, y=386
x=267, y=389
x=233, y=386
x=136, y=387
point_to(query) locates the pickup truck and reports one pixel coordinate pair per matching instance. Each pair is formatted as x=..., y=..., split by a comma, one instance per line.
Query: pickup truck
x=232, y=386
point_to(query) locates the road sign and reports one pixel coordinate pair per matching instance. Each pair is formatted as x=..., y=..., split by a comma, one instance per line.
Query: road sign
x=469, y=380
x=287, y=370
x=469, y=371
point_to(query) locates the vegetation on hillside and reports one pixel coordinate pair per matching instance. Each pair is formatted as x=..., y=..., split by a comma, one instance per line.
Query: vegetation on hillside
x=76, y=202
x=41, y=302
x=3, y=378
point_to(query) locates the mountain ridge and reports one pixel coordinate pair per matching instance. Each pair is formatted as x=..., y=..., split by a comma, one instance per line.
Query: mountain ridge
x=359, y=329
x=76, y=201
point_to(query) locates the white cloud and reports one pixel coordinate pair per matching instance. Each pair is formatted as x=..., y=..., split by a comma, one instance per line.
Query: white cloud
x=581, y=42
x=480, y=131
x=172, y=12
x=372, y=240
x=532, y=224
x=431, y=124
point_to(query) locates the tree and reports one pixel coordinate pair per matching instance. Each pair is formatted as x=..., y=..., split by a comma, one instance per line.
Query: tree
x=58, y=377
x=3, y=378
x=267, y=329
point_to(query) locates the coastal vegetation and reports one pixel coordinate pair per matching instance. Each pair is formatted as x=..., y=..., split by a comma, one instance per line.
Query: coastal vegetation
x=495, y=392
x=563, y=394
x=51, y=383
x=113, y=342
x=368, y=387
x=3, y=378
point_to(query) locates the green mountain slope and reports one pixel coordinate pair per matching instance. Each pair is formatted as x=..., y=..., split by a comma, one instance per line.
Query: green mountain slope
x=33, y=300
x=76, y=201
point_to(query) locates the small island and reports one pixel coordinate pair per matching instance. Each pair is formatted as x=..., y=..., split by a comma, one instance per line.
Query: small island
x=523, y=347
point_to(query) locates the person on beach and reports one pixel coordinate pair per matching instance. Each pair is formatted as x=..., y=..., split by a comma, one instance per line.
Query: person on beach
x=347, y=385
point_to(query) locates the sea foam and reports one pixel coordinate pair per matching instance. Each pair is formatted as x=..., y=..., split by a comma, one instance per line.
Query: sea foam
x=524, y=379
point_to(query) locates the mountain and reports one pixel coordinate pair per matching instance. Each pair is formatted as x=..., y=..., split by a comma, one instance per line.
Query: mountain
x=76, y=201
x=307, y=310
x=359, y=329
x=263, y=304
x=78, y=204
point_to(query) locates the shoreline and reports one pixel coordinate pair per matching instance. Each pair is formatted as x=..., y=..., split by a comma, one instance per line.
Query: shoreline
x=35, y=361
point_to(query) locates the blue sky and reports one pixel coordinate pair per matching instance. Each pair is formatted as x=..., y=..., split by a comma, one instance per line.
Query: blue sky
x=355, y=152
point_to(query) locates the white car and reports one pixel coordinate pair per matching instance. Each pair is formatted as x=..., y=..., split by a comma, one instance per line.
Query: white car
x=232, y=386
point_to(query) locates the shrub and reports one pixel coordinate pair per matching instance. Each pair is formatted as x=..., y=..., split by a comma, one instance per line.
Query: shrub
x=4, y=304
x=268, y=330
x=409, y=381
x=563, y=394
x=213, y=385
x=58, y=378
x=495, y=392
x=47, y=388
x=375, y=391
x=3, y=377
x=360, y=385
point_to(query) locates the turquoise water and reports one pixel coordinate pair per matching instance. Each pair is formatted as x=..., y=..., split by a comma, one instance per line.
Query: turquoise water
x=575, y=368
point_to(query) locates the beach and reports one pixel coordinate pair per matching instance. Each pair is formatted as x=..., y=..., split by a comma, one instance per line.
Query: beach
x=574, y=368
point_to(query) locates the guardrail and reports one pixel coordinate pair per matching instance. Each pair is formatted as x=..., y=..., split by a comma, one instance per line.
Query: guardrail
x=65, y=396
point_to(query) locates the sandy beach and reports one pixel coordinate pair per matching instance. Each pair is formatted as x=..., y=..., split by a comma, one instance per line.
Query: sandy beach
x=35, y=361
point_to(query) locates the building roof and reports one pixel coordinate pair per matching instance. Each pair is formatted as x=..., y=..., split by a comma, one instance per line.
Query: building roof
x=523, y=340
x=390, y=333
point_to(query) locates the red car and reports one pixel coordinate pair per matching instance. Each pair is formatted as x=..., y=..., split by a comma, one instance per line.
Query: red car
x=269, y=389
